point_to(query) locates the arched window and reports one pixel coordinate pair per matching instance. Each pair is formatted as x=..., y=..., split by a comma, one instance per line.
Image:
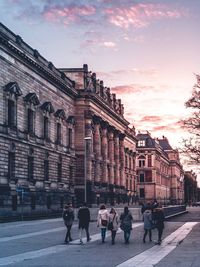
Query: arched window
x=12, y=92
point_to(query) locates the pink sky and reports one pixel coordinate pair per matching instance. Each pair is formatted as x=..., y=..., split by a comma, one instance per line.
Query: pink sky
x=146, y=51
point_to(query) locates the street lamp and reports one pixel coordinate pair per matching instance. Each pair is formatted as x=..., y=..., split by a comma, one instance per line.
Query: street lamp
x=85, y=167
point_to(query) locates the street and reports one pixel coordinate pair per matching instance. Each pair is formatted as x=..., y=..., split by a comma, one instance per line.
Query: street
x=41, y=243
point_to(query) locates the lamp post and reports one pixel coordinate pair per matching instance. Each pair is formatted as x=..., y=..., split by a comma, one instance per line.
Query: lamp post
x=85, y=167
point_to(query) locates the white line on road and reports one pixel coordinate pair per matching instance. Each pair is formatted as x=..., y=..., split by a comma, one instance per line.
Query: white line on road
x=9, y=238
x=28, y=223
x=50, y=250
x=152, y=256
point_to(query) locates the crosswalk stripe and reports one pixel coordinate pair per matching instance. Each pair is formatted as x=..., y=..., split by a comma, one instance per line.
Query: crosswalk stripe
x=152, y=256
x=50, y=250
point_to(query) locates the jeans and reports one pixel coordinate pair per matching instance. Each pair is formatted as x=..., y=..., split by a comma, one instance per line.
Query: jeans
x=68, y=234
x=127, y=234
x=160, y=232
x=86, y=227
x=113, y=234
x=145, y=234
x=103, y=234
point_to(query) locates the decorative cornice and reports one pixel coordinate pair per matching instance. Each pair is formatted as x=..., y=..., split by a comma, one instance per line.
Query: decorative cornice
x=15, y=45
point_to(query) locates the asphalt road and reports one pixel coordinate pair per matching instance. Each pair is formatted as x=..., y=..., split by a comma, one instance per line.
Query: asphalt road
x=41, y=243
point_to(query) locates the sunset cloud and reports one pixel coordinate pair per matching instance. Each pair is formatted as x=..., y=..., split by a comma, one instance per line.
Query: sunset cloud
x=139, y=15
x=67, y=14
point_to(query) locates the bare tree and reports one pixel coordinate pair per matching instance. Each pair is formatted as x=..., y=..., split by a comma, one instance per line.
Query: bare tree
x=191, y=145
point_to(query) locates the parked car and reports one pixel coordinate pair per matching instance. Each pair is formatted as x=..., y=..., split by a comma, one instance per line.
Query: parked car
x=196, y=204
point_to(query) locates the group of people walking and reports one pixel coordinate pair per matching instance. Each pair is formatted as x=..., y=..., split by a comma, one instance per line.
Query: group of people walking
x=153, y=217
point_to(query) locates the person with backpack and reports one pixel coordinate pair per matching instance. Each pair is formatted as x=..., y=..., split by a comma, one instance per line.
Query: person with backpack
x=68, y=217
x=84, y=220
x=147, y=218
x=126, y=224
x=159, y=218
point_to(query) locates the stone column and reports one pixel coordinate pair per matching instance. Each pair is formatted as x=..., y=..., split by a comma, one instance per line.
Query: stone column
x=122, y=159
x=111, y=154
x=116, y=157
x=89, y=146
x=104, y=151
x=97, y=150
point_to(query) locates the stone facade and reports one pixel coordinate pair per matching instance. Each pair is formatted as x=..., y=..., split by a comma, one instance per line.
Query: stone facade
x=104, y=138
x=37, y=107
x=159, y=172
x=59, y=128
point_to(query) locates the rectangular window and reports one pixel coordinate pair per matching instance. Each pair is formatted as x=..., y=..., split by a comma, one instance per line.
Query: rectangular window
x=141, y=143
x=11, y=113
x=46, y=170
x=69, y=137
x=30, y=121
x=141, y=177
x=30, y=167
x=11, y=165
x=59, y=171
x=141, y=163
x=149, y=161
x=46, y=128
x=58, y=133
x=142, y=194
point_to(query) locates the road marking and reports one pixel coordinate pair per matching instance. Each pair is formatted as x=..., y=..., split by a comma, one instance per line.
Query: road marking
x=9, y=238
x=22, y=224
x=50, y=250
x=152, y=256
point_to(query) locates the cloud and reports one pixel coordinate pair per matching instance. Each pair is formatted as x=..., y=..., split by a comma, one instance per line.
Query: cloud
x=130, y=89
x=139, y=15
x=67, y=14
x=154, y=119
x=109, y=44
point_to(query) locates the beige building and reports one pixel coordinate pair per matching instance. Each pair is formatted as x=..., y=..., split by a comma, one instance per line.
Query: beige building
x=159, y=172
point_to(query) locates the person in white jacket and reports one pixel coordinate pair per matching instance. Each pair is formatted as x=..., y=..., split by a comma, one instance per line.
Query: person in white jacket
x=102, y=221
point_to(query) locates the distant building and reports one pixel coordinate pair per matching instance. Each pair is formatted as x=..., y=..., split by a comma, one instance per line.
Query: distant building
x=55, y=124
x=159, y=172
x=190, y=187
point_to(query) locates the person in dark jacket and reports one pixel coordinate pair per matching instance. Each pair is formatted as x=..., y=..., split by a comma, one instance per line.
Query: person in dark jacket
x=158, y=217
x=68, y=217
x=126, y=224
x=84, y=220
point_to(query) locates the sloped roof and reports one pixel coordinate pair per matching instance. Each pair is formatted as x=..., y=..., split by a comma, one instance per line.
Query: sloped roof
x=149, y=141
x=164, y=143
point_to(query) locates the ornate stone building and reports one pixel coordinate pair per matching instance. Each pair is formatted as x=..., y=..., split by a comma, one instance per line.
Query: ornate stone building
x=37, y=107
x=110, y=144
x=55, y=133
x=159, y=172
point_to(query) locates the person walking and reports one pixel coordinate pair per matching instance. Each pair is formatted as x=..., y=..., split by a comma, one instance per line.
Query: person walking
x=147, y=218
x=126, y=224
x=84, y=220
x=68, y=217
x=113, y=222
x=159, y=218
x=102, y=221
